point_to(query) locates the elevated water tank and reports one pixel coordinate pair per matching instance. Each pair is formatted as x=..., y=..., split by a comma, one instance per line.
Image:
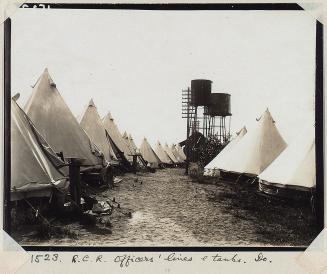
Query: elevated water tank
x=200, y=92
x=220, y=104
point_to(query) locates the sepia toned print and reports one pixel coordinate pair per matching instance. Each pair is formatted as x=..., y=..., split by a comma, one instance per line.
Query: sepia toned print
x=134, y=128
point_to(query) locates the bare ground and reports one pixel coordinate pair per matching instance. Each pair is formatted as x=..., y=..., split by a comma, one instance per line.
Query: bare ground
x=170, y=209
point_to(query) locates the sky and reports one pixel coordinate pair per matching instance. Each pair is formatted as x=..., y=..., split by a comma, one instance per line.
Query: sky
x=136, y=63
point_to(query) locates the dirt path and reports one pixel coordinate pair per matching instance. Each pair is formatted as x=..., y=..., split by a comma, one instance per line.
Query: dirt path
x=169, y=209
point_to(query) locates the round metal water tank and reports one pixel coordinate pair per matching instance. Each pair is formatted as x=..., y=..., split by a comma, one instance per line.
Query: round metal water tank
x=200, y=92
x=220, y=104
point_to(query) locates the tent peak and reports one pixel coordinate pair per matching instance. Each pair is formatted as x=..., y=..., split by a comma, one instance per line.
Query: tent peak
x=243, y=129
x=266, y=115
x=125, y=136
x=109, y=116
x=16, y=96
x=91, y=103
x=46, y=75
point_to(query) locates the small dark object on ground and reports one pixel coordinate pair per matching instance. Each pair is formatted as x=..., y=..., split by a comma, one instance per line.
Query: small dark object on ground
x=195, y=171
x=87, y=219
x=89, y=202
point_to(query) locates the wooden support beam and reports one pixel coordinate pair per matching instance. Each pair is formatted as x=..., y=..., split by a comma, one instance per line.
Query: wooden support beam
x=134, y=163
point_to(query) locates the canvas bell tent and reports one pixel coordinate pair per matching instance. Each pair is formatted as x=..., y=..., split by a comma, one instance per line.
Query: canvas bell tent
x=125, y=136
x=128, y=143
x=170, y=154
x=293, y=173
x=57, y=124
x=92, y=124
x=176, y=154
x=256, y=150
x=116, y=138
x=149, y=155
x=132, y=144
x=134, y=150
x=212, y=169
x=34, y=165
x=162, y=154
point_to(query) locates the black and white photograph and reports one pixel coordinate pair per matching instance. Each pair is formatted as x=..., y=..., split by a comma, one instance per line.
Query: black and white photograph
x=164, y=127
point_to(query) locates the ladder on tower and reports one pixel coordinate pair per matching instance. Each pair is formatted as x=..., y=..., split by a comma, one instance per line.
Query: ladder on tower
x=188, y=111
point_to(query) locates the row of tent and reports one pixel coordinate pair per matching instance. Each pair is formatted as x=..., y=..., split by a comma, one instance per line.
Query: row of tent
x=45, y=136
x=262, y=153
x=162, y=155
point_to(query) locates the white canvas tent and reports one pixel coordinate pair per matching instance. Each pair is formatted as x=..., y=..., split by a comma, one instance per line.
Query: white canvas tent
x=162, y=154
x=295, y=167
x=116, y=137
x=128, y=143
x=212, y=169
x=256, y=150
x=148, y=154
x=170, y=154
x=57, y=124
x=34, y=165
x=92, y=124
x=132, y=144
x=176, y=154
